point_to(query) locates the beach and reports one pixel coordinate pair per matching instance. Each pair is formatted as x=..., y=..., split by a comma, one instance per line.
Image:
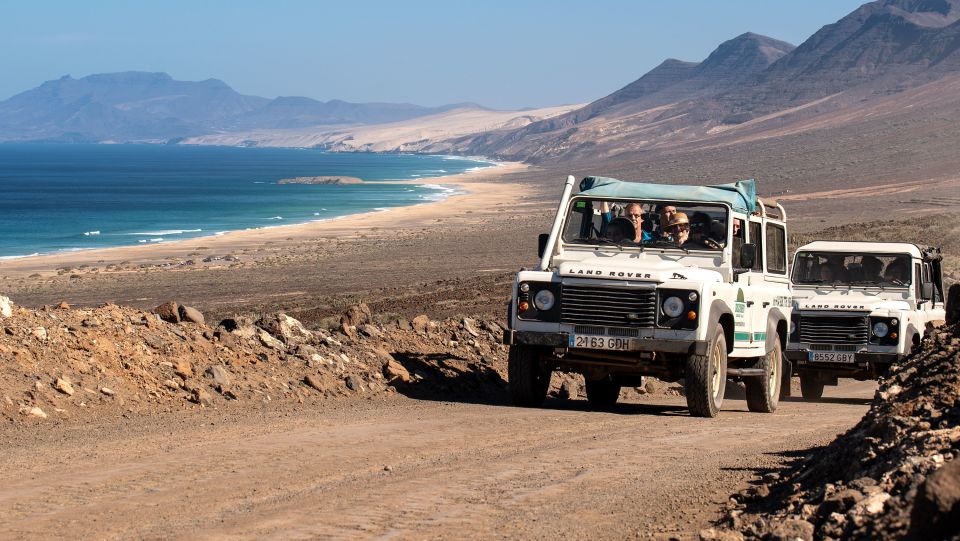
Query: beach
x=474, y=234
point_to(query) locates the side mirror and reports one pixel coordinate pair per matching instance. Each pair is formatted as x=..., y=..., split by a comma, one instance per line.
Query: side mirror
x=542, y=243
x=926, y=291
x=748, y=256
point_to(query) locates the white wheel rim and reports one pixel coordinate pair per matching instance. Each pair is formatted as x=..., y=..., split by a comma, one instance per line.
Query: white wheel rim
x=774, y=373
x=715, y=380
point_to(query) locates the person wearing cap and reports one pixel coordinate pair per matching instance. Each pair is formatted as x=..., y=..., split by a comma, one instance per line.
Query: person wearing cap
x=679, y=228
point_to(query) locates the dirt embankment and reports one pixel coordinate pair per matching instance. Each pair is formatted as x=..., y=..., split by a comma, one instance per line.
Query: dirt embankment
x=60, y=363
x=895, y=475
x=64, y=364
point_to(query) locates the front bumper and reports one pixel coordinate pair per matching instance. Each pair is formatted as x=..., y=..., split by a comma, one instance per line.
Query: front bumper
x=562, y=340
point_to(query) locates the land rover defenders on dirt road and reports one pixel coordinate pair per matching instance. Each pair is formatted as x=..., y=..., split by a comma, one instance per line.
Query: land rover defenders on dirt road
x=858, y=307
x=700, y=293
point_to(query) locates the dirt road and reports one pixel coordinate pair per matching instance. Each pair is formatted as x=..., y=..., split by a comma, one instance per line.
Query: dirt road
x=403, y=468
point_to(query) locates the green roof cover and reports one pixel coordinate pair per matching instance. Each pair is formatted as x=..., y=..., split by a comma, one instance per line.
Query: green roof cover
x=740, y=195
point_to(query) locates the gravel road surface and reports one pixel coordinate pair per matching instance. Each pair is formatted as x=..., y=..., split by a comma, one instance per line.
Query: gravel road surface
x=404, y=468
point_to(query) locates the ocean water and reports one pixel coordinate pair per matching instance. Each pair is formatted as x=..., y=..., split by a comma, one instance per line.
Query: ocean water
x=59, y=197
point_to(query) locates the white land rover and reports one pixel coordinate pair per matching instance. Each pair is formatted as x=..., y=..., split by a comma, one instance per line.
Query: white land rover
x=616, y=298
x=858, y=307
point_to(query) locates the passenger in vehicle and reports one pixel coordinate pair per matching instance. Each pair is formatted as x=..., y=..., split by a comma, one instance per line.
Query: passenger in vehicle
x=898, y=272
x=870, y=269
x=833, y=269
x=666, y=213
x=701, y=231
x=679, y=228
x=634, y=213
x=620, y=230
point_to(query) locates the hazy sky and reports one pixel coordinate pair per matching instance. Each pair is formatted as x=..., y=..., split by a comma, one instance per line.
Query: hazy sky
x=504, y=54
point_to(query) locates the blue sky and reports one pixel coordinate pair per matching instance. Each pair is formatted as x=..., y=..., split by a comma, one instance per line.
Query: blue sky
x=503, y=54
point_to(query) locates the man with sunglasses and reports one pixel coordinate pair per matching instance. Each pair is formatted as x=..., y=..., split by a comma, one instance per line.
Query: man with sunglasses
x=634, y=213
x=679, y=228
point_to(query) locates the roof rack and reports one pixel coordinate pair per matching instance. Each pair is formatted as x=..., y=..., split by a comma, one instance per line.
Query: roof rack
x=762, y=206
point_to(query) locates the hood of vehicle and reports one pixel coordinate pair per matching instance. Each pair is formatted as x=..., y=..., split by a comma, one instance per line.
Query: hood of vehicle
x=642, y=268
x=847, y=301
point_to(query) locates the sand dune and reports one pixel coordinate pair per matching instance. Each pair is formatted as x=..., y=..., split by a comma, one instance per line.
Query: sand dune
x=423, y=134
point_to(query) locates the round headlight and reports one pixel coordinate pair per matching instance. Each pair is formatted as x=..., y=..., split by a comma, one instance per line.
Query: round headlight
x=673, y=307
x=543, y=300
x=524, y=287
x=692, y=297
x=793, y=327
x=880, y=329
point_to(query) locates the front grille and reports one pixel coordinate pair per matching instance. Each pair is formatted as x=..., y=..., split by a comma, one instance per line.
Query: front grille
x=835, y=329
x=619, y=332
x=600, y=306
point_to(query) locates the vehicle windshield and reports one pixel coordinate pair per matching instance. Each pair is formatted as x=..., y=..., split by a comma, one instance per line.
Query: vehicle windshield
x=639, y=223
x=852, y=269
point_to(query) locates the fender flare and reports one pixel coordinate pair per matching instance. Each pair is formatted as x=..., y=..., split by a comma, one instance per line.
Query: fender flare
x=719, y=308
x=908, y=337
x=774, y=318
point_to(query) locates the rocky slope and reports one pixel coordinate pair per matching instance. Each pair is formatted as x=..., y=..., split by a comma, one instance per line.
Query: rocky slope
x=60, y=364
x=895, y=475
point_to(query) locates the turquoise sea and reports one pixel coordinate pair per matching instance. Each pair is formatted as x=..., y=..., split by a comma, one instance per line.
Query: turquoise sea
x=57, y=197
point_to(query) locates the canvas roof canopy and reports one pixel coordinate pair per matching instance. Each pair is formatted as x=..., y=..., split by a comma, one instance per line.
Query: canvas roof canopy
x=740, y=195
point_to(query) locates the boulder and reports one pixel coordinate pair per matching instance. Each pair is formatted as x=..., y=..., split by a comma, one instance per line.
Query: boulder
x=6, y=307
x=356, y=315
x=791, y=530
x=937, y=507
x=395, y=371
x=469, y=326
x=220, y=375
x=404, y=325
x=192, y=315
x=40, y=334
x=63, y=306
x=269, y=341
x=421, y=323
x=286, y=328
x=63, y=385
x=33, y=412
x=313, y=382
x=370, y=330
x=168, y=311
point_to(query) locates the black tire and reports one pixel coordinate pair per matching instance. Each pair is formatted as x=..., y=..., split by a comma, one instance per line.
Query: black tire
x=953, y=304
x=602, y=393
x=763, y=392
x=528, y=381
x=811, y=387
x=705, y=379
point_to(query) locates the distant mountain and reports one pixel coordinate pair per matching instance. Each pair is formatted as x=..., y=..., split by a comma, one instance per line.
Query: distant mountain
x=882, y=48
x=140, y=106
x=729, y=65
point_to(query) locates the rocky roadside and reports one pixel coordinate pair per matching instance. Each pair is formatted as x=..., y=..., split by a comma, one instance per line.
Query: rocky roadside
x=895, y=475
x=60, y=364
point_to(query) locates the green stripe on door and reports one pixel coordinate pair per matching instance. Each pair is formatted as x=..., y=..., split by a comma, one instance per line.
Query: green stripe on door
x=745, y=336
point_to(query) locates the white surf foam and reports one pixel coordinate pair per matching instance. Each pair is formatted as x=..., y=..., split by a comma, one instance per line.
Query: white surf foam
x=91, y=233
x=164, y=232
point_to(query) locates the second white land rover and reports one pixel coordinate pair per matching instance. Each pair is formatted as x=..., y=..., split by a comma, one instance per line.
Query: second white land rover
x=637, y=279
x=858, y=307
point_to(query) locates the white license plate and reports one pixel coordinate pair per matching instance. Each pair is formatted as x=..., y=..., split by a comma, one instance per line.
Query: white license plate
x=601, y=342
x=830, y=357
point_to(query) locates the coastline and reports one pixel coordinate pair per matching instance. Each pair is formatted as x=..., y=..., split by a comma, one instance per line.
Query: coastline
x=474, y=189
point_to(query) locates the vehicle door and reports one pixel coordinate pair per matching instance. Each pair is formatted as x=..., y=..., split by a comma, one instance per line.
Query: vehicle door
x=748, y=306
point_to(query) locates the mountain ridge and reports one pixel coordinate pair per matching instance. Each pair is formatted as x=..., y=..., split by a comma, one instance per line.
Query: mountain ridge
x=153, y=106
